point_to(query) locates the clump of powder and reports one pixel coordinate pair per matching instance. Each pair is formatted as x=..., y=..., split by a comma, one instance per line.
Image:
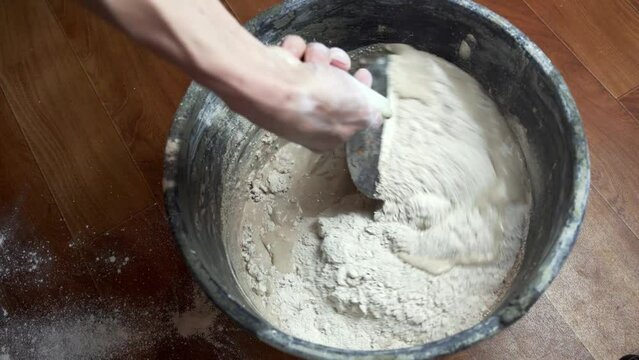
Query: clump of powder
x=450, y=169
x=432, y=260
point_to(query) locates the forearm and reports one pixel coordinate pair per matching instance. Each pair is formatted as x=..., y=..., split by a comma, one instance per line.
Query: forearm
x=298, y=91
x=199, y=36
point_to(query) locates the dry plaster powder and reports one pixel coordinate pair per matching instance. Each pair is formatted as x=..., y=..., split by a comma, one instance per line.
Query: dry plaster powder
x=325, y=264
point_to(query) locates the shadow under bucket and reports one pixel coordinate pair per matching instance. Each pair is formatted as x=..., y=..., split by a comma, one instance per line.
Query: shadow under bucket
x=208, y=145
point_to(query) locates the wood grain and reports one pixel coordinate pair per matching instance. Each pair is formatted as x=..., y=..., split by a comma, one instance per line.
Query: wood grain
x=614, y=143
x=631, y=102
x=139, y=91
x=138, y=261
x=603, y=35
x=541, y=334
x=613, y=134
x=226, y=5
x=138, y=268
x=64, y=93
x=35, y=259
x=597, y=291
x=244, y=10
x=84, y=160
x=148, y=300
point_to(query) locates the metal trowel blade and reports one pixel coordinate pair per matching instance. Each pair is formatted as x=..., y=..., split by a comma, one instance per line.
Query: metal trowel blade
x=363, y=149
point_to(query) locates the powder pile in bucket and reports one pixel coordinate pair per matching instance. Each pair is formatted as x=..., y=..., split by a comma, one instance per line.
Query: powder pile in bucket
x=325, y=264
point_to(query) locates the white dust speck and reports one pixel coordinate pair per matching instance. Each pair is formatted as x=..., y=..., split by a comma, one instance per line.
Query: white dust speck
x=112, y=259
x=3, y=354
x=22, y=259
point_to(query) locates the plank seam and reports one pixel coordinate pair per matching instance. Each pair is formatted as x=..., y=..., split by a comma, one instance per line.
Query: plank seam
x=569, y=49
x=97, y=94
x=49, y=188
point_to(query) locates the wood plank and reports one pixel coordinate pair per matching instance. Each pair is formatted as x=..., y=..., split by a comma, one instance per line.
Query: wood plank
x=462, y=355
x=609, y=124
x=138, y=261
x=226, y=5
x=83, y=158
x=613, y=134
x=597, y=291
x=244, y=10
x=139, y=91
x=35, y=259
x=604, y=35
x=144, y=278
x=540, y=334
x=614, y=143
x=631, y=102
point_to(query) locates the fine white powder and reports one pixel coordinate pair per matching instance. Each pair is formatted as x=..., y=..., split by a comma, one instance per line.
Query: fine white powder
x=327, y=265
x=450, y=169
x=84, y=331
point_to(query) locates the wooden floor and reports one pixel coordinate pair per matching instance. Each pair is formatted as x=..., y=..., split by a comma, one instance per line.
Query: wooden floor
x=88, y=268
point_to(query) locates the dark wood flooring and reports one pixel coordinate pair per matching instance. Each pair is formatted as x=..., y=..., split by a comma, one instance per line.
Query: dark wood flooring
x=85, y=250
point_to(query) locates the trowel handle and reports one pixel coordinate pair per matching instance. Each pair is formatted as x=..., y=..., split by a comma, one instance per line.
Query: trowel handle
x=379, y=101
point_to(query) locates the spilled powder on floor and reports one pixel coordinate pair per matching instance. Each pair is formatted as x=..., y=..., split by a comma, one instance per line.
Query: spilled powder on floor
x=91, y=332
x=72, y=335
x=21, y=260
x=325, y=264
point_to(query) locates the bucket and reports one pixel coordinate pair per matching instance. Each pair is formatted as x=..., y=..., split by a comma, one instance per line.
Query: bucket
x=208, y=153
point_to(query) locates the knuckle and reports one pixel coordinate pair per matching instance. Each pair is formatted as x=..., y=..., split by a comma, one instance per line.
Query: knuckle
x=317, y=46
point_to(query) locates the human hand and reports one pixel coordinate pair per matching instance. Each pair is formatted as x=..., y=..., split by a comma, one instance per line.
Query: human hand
x=309, y=97
x=299, y=91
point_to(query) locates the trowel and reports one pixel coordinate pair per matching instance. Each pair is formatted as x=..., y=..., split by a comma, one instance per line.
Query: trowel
x=363, y=149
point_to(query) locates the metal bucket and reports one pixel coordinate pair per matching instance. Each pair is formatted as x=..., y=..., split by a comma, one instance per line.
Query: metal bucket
x=208, y=151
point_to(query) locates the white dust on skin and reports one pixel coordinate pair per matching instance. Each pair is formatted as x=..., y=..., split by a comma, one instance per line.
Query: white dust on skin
x=327, y=265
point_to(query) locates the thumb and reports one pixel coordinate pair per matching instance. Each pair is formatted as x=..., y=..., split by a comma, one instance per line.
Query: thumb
x=378, y=101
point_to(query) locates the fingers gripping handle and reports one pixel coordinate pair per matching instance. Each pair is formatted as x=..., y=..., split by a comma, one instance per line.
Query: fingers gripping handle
x=380, y=103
